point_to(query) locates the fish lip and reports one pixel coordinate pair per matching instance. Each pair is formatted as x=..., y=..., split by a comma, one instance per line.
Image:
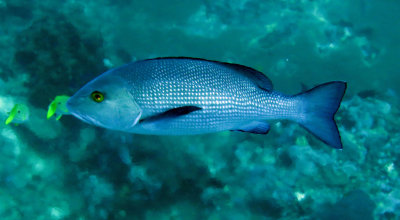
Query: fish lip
x=85, y=118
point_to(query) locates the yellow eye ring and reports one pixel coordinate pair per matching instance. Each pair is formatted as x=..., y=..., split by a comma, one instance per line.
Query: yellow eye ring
x=97, y=96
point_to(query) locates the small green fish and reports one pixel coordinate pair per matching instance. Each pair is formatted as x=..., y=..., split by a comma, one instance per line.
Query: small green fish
x=58, y=107
x=19, y=114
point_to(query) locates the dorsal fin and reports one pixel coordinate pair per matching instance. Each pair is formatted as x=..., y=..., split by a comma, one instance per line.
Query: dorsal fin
x=257, y=77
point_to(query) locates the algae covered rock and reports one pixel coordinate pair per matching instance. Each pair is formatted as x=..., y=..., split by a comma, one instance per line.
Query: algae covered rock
x=53, y=50
x=355, y=205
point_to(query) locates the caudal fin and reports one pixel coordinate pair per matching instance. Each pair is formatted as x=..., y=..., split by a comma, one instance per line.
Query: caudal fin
x=318, y=108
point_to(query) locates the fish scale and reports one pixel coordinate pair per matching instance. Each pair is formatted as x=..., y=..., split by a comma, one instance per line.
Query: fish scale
x=227, y=98
x=185, y=96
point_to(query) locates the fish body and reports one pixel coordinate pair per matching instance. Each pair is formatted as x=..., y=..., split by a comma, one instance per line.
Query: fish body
x=185, y=96
x=58, y=107
x=18, y=114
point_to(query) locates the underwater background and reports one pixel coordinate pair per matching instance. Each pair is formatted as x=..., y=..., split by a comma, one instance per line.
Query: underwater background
x=66, y=169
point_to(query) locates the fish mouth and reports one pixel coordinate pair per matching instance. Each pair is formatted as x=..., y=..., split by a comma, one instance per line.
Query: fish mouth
x=96, y=122
x=85, y=118
x=80, y=115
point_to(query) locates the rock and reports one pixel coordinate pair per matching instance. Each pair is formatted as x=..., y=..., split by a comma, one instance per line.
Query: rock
x=355, y=205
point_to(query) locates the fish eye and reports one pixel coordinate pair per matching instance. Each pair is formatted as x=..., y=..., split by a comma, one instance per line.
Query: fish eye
x=97, y=96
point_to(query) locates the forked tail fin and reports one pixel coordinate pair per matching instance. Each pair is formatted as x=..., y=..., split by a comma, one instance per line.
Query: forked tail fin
x=317, y=110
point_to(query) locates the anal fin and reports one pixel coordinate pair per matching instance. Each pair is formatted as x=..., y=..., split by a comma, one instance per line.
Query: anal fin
x=256, y=127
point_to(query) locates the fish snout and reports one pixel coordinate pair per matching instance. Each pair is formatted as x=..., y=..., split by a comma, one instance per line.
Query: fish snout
x=75, y=106
x=71, y=104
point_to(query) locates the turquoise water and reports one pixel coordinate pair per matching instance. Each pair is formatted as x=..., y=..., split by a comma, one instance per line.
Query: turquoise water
x=66, y=169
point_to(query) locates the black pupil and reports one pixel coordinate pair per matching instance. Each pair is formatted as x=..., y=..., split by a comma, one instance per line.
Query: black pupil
x=97, y=96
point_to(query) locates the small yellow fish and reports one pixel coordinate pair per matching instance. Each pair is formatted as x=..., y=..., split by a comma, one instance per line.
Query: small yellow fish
x=19, y=114
x=58, y=107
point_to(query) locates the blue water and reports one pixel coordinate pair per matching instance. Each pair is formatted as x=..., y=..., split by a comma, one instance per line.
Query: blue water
x=66, y=169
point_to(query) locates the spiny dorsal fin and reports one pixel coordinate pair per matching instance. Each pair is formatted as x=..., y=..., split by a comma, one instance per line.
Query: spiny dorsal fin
x=171, y=113
x=257, y=77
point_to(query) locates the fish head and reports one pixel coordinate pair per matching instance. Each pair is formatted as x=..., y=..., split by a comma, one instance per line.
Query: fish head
x=18, y=114
x=106, y=101
x=58, y=107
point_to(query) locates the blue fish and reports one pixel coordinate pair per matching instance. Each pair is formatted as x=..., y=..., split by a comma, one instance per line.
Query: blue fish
x=187, y=96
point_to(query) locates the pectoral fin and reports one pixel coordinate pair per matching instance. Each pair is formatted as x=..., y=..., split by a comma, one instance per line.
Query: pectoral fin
x=170, y=114
x=256, y=127
x=58, y=117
